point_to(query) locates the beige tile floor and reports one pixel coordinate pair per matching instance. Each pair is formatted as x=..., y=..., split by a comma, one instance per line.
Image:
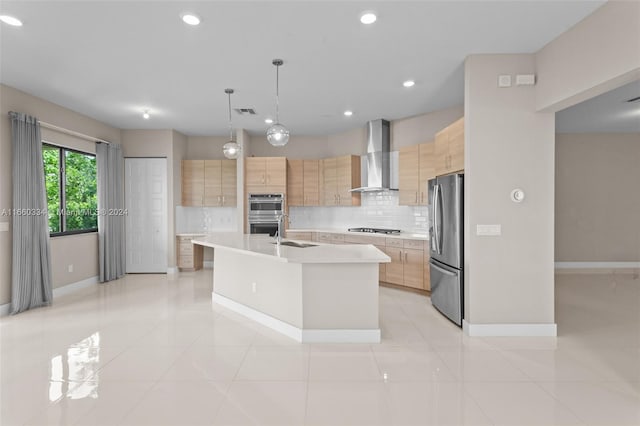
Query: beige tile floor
x=152, y=350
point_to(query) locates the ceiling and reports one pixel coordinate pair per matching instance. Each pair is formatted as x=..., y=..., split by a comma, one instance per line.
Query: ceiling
x=111, y=60
x=607, y=113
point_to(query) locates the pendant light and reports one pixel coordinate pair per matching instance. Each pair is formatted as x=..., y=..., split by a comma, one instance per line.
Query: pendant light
x=230, y=149
x=277, y=134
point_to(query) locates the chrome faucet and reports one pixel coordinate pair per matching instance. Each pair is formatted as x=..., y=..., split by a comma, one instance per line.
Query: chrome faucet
x=280, y=223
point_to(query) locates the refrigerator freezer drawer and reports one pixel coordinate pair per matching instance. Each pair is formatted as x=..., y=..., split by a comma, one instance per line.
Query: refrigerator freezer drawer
x=446, y=290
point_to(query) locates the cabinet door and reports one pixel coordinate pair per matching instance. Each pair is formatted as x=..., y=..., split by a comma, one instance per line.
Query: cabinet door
x=427, y=153
x=347, y=178
x=394, y=270
x=442, y=152
x=413, y=268
x=408, y=182
x=229, y=183
x=192, y=182
x=255, y=171
x=212, y=183
x=295, y=183
x=276, y=171
x=330, y=181
x=456, y=146
x=311, y=191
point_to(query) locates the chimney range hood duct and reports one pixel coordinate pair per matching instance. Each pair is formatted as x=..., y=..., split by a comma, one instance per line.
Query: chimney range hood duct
x=378, y=158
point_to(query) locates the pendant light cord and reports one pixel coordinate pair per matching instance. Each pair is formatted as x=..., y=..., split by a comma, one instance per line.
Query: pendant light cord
x=277, y=94
x=230, y=125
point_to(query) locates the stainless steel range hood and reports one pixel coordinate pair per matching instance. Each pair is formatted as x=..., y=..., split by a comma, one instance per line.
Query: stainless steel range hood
x=376, y=176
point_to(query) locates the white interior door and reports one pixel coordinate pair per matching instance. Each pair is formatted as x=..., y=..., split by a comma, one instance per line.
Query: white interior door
x=146, y=225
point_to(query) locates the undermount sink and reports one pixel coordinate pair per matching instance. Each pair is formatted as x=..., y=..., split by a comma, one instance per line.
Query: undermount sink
x=295, y=244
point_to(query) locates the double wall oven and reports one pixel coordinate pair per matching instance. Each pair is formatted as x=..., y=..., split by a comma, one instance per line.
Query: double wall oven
x=263, y=213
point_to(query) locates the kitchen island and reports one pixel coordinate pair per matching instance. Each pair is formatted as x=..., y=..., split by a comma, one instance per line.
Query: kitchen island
x=322, y=293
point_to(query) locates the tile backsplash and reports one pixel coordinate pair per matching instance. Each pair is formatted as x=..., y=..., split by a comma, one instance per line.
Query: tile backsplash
x=378, y=210
x=205, y=219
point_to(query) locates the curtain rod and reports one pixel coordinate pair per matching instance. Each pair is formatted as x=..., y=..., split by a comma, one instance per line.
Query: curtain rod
x=71, y=132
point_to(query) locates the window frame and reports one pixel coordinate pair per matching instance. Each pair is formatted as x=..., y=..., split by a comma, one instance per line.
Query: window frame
x=62, y=182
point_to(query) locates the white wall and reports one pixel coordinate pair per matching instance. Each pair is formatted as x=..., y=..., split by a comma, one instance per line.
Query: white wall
x=422, y=128
x=597, y=197
x=508, y=279
x=598, y=54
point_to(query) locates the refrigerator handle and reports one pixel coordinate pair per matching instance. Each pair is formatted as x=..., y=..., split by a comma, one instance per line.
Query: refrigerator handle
x=436, y=224
x=444, y=271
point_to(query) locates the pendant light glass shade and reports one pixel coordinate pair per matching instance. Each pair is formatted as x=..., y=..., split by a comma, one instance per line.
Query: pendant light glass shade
x=277, y=134
x=231, y=149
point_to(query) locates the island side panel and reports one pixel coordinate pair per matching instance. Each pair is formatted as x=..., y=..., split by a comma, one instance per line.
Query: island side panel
x=340, y=296
x=278, y=288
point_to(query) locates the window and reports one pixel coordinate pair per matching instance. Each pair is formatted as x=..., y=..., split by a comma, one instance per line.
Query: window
x=71, y=183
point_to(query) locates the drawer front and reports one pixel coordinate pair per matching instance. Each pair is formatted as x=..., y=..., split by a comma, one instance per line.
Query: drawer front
x=186, y=249
x=185, y=262
x=395, y=242
x=364, y=239
x=414, y=244
x=323, y=237
x=337, y=238
x=299, y=235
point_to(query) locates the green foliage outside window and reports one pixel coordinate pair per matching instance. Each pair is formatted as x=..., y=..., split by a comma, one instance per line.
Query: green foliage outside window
x=78, y=182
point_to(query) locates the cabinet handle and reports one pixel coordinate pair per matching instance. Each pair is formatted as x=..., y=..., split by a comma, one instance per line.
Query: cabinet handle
x=223, y=200
x=405, y=257
x=262, y=178
x=416, y=197
x=338, y=198
x=218, y=199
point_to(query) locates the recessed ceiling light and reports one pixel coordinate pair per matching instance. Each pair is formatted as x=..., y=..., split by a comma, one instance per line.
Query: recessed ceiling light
x=145, y=114
x=348, y=113
x=11, y=20
x=368, y=18
x=409, y=83
x=268, y=121
x=190, y=19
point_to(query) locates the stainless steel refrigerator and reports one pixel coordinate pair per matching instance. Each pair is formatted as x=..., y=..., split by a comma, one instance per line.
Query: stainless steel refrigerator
x=446, y=202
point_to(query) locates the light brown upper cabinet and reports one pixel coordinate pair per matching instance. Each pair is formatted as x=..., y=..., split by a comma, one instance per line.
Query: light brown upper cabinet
x=417, y=166
x=340, y=175
x=193, y=183
x=450, y=148
x=209, y=183
x=266, y=173
x=303, y=186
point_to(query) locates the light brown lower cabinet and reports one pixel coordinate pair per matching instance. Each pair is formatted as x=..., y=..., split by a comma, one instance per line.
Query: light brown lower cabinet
x=190, y=256
x=299, y=235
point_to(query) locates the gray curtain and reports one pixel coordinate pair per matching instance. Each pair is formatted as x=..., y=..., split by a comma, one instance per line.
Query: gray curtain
x=111, y=214
x=31, y=284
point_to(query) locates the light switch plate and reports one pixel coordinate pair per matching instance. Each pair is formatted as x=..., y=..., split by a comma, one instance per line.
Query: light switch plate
x=488, y=230
x=525, y=79
x=4, y=226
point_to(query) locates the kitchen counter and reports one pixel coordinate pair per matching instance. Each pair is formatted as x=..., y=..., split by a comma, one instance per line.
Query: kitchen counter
x=326, y=293
x=401, y=235
x=263, y=246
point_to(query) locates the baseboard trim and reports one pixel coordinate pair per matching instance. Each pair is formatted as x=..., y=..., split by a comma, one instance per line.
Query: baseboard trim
x=58, y=292
x=510, y=330
x=70, y=288
x=597, y=265
x=297, y=334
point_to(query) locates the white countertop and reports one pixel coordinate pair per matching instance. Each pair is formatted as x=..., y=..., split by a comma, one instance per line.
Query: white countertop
x=402, y=235
x=263, y=246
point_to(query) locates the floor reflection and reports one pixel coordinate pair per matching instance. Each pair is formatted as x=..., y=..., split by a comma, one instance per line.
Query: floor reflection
x=80, y=379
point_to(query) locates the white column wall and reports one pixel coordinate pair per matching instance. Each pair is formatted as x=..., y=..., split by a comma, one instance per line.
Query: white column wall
x=509, y=278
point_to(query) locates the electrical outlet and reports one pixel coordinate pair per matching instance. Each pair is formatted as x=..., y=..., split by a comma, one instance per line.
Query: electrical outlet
x=254, y=287
x=70, y=267
x=488, y=230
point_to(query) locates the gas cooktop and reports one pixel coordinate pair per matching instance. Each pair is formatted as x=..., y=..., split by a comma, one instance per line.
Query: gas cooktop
x=376, y=230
